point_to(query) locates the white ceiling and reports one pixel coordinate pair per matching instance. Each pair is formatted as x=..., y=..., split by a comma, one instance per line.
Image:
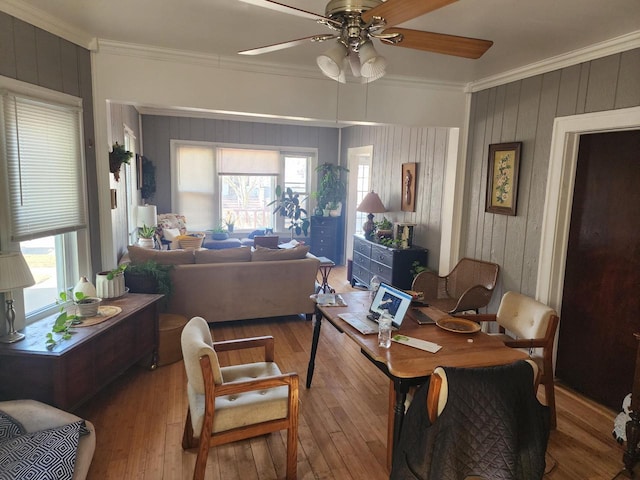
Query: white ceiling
x=523, y=31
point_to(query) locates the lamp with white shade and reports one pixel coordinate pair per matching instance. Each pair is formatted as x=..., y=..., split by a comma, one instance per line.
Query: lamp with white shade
x=370, y=204
x=146, y=216
x=14, y=274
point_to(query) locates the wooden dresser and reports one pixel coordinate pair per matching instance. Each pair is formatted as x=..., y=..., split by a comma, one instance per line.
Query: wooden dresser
x=326, y=238
x=76, y=369
x=391, y=265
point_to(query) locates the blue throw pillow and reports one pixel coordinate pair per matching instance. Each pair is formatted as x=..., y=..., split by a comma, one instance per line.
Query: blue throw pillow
x=45, y=455
x=256, y=232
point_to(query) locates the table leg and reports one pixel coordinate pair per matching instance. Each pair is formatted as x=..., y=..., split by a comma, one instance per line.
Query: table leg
x=314, y=345
x=401, y=390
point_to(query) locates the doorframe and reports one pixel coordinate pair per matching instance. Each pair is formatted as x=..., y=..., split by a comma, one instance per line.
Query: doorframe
x=354, y=155
x=559, y=195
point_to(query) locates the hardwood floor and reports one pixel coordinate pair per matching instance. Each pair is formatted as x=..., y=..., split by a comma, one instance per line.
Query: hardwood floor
x=343, y=418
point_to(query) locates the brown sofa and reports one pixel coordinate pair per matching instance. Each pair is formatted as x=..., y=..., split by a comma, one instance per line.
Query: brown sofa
x=237, y=283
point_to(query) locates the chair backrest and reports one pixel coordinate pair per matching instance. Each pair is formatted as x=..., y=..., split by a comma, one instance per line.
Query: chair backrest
x=197, y=342
x=524, y=316
x=267, y=241
x=470, y=272
x=172, y=220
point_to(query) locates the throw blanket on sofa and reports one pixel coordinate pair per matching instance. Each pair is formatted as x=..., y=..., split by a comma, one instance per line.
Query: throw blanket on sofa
x=46, y=454
x=492, y=426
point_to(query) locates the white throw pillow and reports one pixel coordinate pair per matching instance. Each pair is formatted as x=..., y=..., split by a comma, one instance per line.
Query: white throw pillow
x=172, y=234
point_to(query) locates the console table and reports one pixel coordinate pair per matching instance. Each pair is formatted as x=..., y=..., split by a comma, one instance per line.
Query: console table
x=76, y=369
x=392, y=265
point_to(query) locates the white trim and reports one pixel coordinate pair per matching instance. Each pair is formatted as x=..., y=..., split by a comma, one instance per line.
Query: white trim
x=46, y=21
x=559, y=196
x=598, y=50
x=40, y=93
x=452, y=198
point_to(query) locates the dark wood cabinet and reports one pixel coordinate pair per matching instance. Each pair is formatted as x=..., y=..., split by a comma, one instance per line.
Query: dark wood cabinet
x=76, y=369
x=327, y=238
x=391, y=265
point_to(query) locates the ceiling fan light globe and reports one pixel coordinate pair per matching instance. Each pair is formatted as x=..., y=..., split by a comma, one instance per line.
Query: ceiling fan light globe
x=371, y=63
x=331, y=61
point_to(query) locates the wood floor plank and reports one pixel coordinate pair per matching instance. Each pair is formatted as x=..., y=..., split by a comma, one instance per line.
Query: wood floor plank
x=139, y=418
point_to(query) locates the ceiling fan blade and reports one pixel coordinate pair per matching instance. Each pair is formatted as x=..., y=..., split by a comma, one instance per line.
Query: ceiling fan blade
x=440, y=43
x=281, y=7
x=399, y=11
x=290, y=43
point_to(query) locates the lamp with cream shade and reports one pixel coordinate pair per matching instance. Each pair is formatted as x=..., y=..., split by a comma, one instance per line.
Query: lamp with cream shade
x=146, y=217
x=14, y=274
x=370, y=204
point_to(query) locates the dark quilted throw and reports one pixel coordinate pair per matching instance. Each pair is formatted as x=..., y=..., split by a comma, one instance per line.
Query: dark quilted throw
x=492, y=426
x=44, y=455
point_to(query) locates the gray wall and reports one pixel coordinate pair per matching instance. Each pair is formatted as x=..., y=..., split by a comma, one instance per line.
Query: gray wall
x=38, y=57
x=524, y=111
x=157, y=132
x=393, y=146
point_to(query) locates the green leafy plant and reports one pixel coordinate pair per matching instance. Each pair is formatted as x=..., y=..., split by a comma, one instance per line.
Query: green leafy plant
x=383, y=224
x=219, y=229
x=64, y=320
x=389, y=242
x=332, y=186
x=287, y=204
x=416, y=268
x=117, y=156
x=147, y=232
x=150, y=277
x=116, y=271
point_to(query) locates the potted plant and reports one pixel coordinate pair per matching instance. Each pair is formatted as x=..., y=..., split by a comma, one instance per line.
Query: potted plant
x=332, y=187
x=146, y=236
x=149, y=277
x=288, y=205
x=384, y=228
x=230, y=221
x=117, y=156
x=110, y=284
x=219, y=233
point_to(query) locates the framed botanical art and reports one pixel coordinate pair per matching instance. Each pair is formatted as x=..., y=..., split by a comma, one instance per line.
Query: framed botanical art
x=408, y=187
x=502, y=178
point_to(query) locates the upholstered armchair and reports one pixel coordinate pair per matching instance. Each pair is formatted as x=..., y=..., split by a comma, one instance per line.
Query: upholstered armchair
x=232, y=403
x=469, y=286
x=170, y=227
x=529, y=325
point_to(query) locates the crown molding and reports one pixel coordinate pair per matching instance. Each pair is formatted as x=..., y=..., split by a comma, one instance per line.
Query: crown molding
x=48, y=22
x=240, y=64
x=593, y=52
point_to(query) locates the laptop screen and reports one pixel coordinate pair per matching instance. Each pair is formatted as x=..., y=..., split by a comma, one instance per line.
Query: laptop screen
x=390, y=299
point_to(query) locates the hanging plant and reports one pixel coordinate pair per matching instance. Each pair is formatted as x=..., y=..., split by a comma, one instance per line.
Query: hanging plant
x=117, y=156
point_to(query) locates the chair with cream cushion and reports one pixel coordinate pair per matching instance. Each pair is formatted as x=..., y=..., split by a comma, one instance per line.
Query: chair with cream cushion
x=531, y=325
x=233, y=403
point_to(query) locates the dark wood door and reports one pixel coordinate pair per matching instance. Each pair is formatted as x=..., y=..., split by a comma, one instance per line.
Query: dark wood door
x=601, y=298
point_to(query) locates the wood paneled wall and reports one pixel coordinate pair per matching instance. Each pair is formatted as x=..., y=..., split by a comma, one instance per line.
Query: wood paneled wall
x=393, y=146
x=157, y=132
x=32, y=55
x=524, y=111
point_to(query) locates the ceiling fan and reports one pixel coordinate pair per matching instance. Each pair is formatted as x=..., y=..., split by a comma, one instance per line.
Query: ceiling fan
x=358, y=22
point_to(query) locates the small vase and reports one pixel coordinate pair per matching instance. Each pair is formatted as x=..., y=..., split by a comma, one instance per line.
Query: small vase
x=85, y=287
x=146, y=242
x=110, y=288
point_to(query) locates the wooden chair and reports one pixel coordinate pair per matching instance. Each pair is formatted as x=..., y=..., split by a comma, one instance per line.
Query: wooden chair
x=233, y=403
x=469, y=286
x=529, y=325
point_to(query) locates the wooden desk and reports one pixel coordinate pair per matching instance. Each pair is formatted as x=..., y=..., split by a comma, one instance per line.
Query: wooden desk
x=407, y=366
x=76, y=369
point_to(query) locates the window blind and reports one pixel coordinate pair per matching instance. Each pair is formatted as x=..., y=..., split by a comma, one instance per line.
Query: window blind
x=44, y=167
x=239, y=161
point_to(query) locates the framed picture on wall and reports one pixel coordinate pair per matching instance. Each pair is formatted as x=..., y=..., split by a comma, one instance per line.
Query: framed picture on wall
x=408, y=187
x=502, y=178
x=139, y=171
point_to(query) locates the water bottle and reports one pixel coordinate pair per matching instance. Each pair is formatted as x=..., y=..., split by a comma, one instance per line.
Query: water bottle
x=384, y=330
x=374, y=284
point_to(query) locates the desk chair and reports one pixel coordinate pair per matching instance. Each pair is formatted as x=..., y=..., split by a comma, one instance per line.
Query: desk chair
x=531, y=326
x=233, y=403
x=468, y=286
x=480, y=423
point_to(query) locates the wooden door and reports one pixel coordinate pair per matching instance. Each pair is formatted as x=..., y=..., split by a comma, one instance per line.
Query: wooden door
x=601, y=298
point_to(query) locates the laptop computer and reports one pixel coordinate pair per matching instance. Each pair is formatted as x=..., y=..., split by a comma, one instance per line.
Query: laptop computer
x=387, y=299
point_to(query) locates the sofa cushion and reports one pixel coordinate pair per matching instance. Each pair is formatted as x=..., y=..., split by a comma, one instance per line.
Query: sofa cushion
x=262, y=254
x=161, y=257
x=9, y=427
x=46, y=454
x=240, y=254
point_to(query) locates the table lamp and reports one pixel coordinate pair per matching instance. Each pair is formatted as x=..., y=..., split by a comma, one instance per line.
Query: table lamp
x=370, y=204
x=14, y=274
x=146, y=216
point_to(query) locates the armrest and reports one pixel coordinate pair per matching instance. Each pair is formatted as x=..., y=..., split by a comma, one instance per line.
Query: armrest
x=526, y=343
x=290, y=379
x=474, y=297
x=266, y=341
x=427, y=282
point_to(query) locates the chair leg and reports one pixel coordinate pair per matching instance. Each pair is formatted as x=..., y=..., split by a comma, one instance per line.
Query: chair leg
x=550, y=396
x=292, y=452
x=201, y=460
x=187, y=436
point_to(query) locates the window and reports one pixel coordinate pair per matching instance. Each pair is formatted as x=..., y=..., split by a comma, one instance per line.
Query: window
x=217, y=183
x=45, y=193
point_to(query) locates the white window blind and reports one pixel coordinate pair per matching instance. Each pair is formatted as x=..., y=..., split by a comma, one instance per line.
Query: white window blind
x=240, y=161
x=44, y=163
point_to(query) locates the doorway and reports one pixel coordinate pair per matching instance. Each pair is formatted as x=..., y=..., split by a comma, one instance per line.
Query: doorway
x=359, y=184
x=600, y=304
